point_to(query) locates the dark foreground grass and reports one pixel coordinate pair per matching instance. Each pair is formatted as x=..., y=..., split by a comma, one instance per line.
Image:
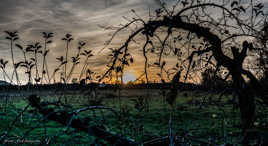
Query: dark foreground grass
x=196, y=121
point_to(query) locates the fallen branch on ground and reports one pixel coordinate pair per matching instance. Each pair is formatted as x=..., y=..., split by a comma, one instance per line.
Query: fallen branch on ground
x=63, y=117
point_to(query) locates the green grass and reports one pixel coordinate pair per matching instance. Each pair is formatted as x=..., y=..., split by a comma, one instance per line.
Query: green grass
x=192, y=121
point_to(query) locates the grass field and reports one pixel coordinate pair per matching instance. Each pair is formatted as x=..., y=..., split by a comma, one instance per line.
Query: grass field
x=198, y=118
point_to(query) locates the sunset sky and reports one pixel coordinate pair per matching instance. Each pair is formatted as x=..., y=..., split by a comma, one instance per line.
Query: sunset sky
x=82, y=18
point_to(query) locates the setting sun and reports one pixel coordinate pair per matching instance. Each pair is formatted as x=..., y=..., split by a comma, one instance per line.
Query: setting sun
x=134, y=72
x=129, y=76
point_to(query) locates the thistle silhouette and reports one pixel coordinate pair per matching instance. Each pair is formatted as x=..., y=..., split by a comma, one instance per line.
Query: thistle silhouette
x=12, y=37
x=47, y=36
x=35, y=48
x=68, y=38
x=28, y=65
x=87, y=54
x=75, y=60
x=62, y=62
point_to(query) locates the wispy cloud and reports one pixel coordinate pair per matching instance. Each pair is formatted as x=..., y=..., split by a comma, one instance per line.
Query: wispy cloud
x=82, y=18
x=79, y=17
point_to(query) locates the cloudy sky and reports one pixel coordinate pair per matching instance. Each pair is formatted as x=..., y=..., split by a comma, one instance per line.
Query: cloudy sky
x=84, y=19
x=81, y=18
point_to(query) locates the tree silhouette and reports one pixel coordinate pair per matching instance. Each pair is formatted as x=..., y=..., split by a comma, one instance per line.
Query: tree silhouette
x=117, y=63
x=211, y=79
x=12, y=37
x=68, y=38
x=191, y=27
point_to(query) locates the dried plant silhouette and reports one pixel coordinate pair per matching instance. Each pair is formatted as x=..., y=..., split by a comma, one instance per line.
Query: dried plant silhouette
x=201, y=58
x=68, y=38
x=75, y=59
x=47, y=38
x=27, y=64
x=12, y=37
x=3, y=64
x=87, y=54
x=36, y=49
x=62, y=62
